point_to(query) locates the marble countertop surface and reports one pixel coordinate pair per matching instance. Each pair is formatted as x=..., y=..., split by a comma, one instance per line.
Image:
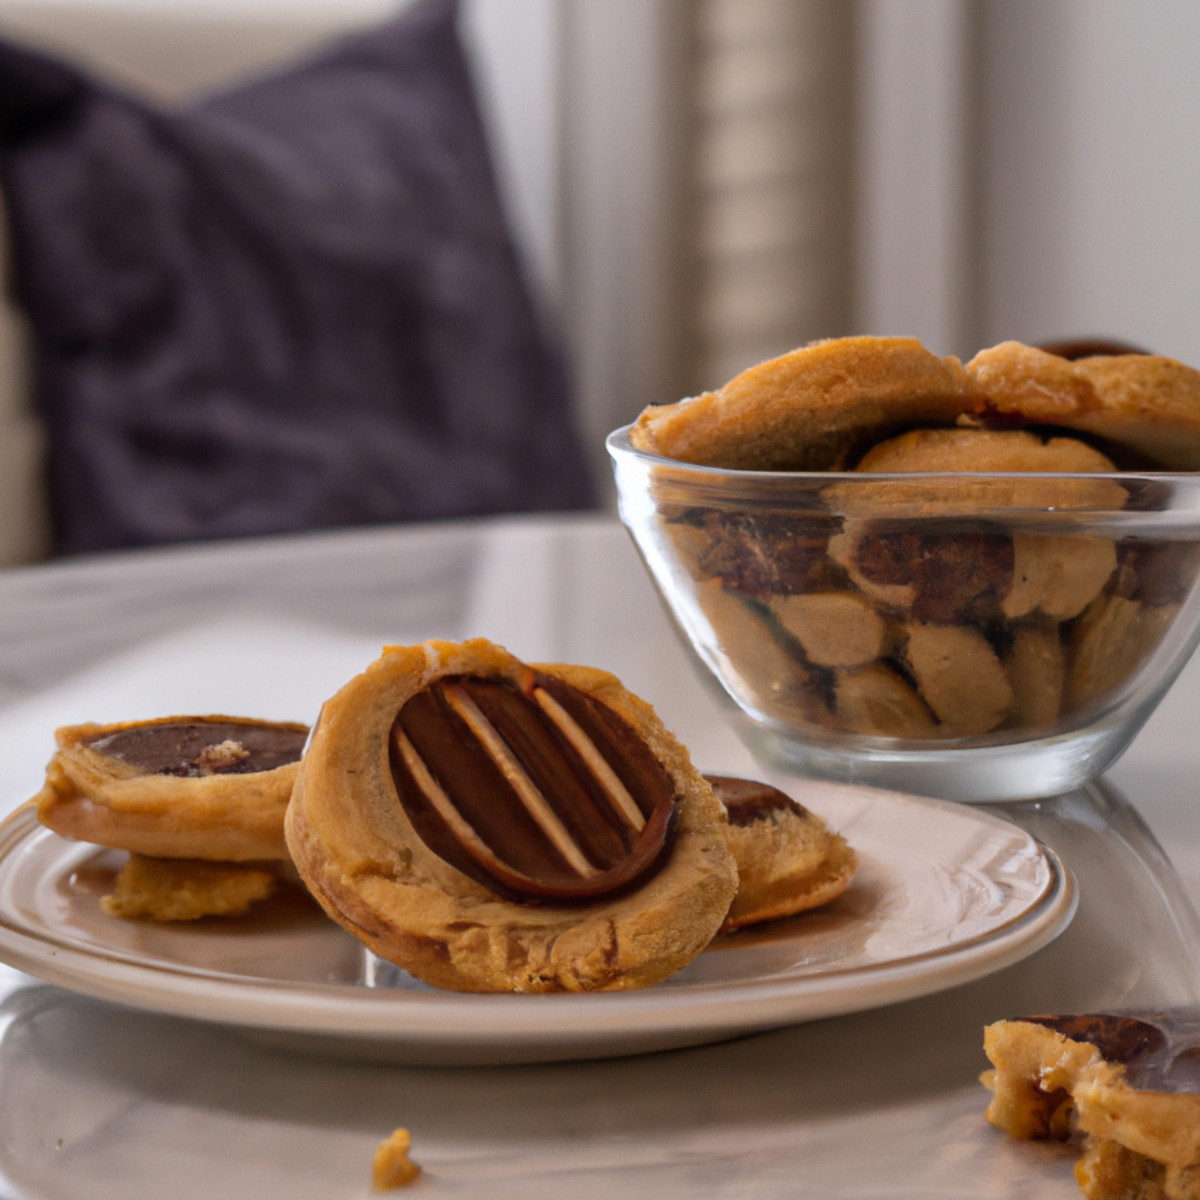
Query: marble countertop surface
x=99, y=1100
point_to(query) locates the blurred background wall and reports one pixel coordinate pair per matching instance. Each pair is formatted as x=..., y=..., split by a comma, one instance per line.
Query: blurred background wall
x=700, y=184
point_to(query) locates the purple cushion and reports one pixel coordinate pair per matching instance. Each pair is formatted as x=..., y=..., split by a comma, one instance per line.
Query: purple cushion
x=295, y=304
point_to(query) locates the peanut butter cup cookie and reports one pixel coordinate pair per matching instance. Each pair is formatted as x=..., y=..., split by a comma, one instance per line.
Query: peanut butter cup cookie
x=493, y=826
x=195, y=787
x=788, y=860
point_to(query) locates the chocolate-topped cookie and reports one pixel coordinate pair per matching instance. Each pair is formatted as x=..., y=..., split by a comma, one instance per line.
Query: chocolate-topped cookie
x=190, y=787
x=494, y=826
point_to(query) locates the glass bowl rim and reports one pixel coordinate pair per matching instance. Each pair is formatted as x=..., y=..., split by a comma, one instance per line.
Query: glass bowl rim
x=619, y=445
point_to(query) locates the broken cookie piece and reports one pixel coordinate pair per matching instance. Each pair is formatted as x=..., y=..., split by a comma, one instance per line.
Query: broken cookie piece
x=764, y=661
x=788, y=859
x=1036, y=669
x=1127, y=1084
x=875, y=700
x=1057, y=576
x=1110, y=642
x=959, y=676
x=835, y=629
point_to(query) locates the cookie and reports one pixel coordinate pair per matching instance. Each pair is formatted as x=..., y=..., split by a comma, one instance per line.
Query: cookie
x=194, y=787
x=1036, y=668
x=834, y=629
x=764, y=662
x=1142, y=404
x=492, y=826
x=959, y=676
x=814, y=409
x=182, y=889
x=877, y=700
x=1111, y=642
x=995, y=574
x=819, y=408
x=1127, y=1085
x=788, y=861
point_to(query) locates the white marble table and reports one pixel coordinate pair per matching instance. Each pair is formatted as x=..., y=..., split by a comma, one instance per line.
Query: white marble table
x=100, y=1101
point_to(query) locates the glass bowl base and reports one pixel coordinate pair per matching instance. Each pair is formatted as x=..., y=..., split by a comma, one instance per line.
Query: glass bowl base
x=975, y=774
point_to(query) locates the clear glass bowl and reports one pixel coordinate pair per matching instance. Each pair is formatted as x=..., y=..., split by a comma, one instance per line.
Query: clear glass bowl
x=976, y=637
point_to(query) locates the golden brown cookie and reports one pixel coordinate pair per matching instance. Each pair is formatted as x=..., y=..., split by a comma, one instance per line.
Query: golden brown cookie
x=968, y=449
x=211, y=787
x=1127, y=1085
x=493, y=826
x=788, y=860
x=1140, y=402
x=819, y=407
x=964, y=448
x=183, y=889
x=811, y=409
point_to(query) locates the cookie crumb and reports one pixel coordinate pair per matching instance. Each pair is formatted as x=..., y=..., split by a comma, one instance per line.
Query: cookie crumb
x=223, y=756
x=391, y=1167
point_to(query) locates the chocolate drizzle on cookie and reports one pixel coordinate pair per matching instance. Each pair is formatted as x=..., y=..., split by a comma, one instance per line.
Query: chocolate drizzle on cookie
x=531, y=787
x=196, y=748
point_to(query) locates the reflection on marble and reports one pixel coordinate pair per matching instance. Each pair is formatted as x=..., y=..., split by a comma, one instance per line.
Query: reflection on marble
x=102, y=1102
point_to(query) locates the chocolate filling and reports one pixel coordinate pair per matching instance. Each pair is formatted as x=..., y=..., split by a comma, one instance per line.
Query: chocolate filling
x=1160, y=1051
x=535, y=790
x=193, y=748
x=747, y=801
x=954, y=575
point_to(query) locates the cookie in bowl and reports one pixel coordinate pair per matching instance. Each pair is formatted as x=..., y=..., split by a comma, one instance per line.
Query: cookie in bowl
x=821, y=407
x=493, y=826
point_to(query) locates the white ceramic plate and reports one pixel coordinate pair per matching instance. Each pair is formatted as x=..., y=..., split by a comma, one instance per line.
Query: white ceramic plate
x=944, y=894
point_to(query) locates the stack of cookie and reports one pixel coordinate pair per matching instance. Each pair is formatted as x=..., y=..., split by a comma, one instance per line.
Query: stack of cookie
x=197, y=801
x=960, y=575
